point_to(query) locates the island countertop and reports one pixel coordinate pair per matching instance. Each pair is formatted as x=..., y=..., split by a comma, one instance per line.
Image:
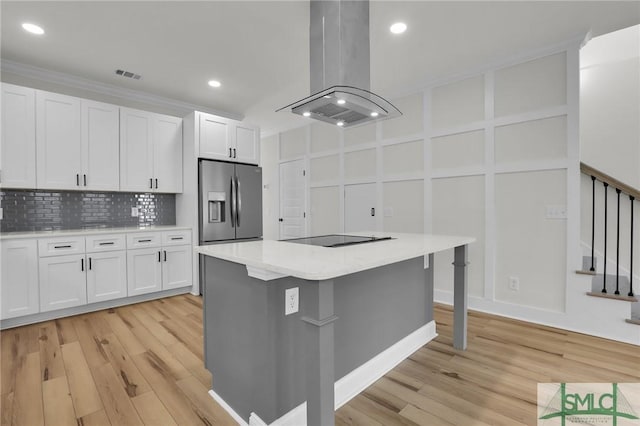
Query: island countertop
x=323, y=263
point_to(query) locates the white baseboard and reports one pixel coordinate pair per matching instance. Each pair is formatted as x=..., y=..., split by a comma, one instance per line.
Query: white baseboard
x=353, y=383
x=227, y=408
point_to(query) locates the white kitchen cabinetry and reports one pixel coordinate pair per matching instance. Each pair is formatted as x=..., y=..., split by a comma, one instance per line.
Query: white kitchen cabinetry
x=62, y=282
x=106, y=267
x=164, y=264
x=225, y=139
x=58, y=141
x=150, y=152
x=18, y=145
x=19, y=285
x=100, y=146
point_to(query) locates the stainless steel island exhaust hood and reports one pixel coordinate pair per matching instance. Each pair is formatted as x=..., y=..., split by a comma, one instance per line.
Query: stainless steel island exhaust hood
x=339, y=59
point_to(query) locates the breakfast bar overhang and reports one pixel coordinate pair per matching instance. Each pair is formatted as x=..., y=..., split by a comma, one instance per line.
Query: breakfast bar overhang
x=362, y=310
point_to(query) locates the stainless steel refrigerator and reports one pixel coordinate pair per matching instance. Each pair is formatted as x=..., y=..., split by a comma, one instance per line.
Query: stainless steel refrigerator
x=230, y=201
x=230, y=204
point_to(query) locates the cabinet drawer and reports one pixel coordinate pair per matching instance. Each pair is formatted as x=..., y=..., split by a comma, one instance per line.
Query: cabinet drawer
x=101, y=243
x=176, y=238
x=60, y=246
x=143, y=239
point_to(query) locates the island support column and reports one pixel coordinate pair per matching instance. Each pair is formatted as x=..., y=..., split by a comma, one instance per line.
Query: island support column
x=319, y=318
x=460, y=298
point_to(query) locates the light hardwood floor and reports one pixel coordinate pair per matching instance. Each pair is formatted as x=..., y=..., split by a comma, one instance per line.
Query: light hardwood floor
x=142, y=364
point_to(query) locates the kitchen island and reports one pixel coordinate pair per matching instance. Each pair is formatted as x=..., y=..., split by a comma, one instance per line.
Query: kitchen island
x=362, y=309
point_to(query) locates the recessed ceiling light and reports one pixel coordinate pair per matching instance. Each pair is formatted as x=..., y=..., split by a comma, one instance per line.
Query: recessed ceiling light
x=214, y=83
x=374, y=114
x=32, y=28
x=341, y=101
x=340, y=123
x=306, y=113
x=398, y=28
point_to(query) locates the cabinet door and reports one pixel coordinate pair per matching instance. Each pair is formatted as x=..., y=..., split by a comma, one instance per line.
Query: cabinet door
x=19, y=285
x=215, y=138
x=58, y=141
x=106, y=276
x=247, y=144
x=167, y=154
x=144, y=271
x=136, y=155
x=176, y=267
x=18, y=145
x=63, y=282
x=100, y=146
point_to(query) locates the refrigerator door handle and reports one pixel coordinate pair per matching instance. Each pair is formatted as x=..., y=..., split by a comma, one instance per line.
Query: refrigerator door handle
x=233, y=204
x=239, y=202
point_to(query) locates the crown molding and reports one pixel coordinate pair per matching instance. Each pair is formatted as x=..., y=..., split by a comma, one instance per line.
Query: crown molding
x=76, y=82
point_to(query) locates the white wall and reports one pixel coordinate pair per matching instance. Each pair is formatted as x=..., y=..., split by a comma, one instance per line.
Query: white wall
x=270, y=187
x=610, y=105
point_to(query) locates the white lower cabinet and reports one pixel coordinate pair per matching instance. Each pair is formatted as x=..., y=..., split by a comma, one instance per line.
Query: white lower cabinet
x=106, y=276
x=144, y=271
x=19, y=281
x=62, y=282
x=176, y=267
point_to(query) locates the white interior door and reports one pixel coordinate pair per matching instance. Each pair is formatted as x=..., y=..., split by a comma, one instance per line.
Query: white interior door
x=360, y=207
x=292, y=200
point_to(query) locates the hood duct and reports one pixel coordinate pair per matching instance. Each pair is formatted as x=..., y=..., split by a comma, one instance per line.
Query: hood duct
x=340, y=66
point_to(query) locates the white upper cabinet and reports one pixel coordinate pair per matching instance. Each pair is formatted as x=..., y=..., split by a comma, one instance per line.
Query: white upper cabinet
x=58, y=141
x=150, y=152
x=167, y=153
x=18, y=152
x=225, y=139
x=100, y=146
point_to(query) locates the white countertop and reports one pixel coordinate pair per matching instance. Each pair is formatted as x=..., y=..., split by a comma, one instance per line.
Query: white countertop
x=89, y=231
x=322, y=263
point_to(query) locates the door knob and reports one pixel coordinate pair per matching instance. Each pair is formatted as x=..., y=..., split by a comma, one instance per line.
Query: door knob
x=280, y=220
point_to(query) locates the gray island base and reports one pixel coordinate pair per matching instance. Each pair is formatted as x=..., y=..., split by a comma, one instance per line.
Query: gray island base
x=269, y=368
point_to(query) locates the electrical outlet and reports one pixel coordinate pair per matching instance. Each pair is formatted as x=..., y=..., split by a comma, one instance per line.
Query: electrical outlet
x=1, y=213
x=291, y=300
x=134, y=212
x=514, y=283
x=556, y=212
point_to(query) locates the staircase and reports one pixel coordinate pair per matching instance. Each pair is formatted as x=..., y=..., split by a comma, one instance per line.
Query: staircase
x=609, y=255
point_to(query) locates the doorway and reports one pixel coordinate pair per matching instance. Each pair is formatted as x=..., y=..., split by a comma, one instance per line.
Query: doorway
x=293, y=199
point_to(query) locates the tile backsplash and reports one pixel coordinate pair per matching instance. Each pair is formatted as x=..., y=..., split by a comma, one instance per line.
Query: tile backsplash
x=43, y=210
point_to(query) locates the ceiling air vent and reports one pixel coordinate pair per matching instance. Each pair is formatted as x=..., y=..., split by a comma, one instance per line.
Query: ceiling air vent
x=128, y=74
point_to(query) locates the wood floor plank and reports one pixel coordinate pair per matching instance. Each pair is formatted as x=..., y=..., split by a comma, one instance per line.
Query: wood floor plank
x=58, y=406
x=128, y=375
x=66, y=331
x=378, y=412
x=10, y=349
x=117, y=405
x=155, y=328
x=98, y=418
x=27, y=404
x=191, y=362
x=206, y=408
x=124, y=334
x=194, y=342
x=6, y=408
x=90, y=342
x=51, y=364
x=348, y=416
x=423, y=418
x=151, y=410
x=84, y=393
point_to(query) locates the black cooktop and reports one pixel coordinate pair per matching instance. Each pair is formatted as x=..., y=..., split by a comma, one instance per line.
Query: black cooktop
x=336, y=240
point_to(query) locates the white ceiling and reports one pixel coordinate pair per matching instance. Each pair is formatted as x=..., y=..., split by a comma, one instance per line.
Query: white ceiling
x=259, y=50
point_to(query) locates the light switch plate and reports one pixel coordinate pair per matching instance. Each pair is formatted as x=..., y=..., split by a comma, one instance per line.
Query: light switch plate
x=556, y=212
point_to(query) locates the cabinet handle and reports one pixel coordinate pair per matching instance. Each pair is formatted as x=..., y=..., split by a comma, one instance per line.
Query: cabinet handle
x=84, y=178
x=373, y=211
x=110, y=243
x=165, y=255
x=176, y=238
x=159, y=257
x=77, y=179
x=230, y=153
x=82, y=264
x=234, y=153
x=61, y=247
x=150, y=183
x=144, y=241
x=156, y=183
x=89, y=263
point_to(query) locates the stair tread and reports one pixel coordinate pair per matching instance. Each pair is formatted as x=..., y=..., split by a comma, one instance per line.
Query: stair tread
x=613, y=296
x=633, y=321
x=583, y=272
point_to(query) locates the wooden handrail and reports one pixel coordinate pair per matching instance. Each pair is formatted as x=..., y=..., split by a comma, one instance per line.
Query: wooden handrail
x=613, y=182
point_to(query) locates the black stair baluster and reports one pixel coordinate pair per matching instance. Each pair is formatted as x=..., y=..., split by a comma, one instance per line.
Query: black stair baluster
x=631, y=197
x=617, y=292
x=604, y=278
x=593, y=222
